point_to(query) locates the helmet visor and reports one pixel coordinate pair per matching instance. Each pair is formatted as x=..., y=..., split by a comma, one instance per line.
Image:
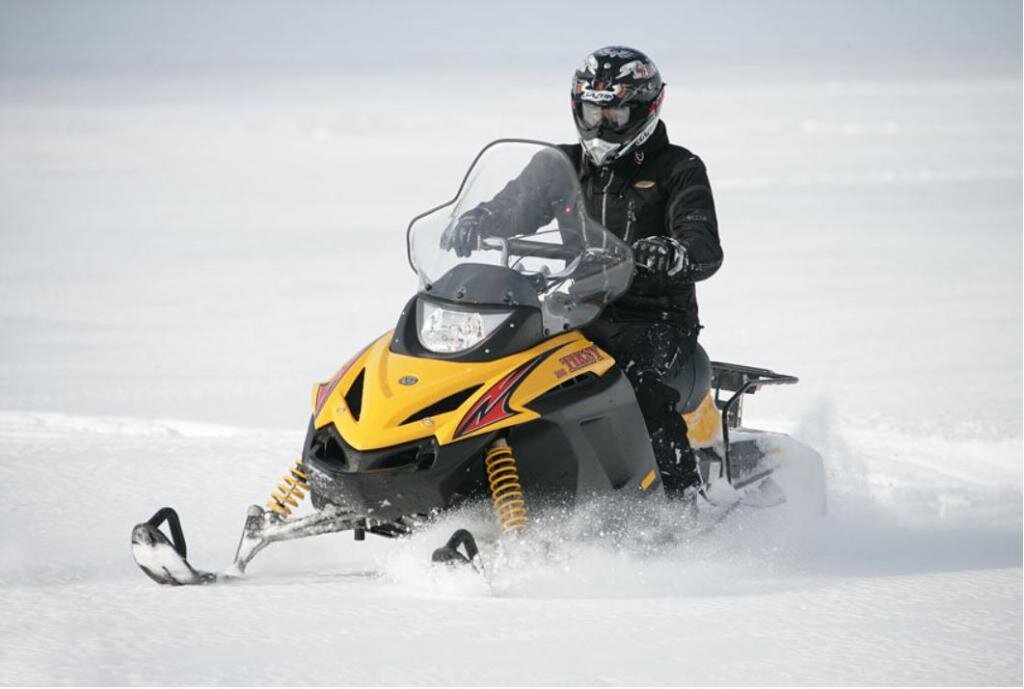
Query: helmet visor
x=594, y=115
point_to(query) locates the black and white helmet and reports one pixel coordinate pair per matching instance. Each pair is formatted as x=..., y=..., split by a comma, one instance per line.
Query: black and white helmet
x=616, y=98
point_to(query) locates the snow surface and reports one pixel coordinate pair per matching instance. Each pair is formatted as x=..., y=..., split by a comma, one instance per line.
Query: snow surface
x=182, y=256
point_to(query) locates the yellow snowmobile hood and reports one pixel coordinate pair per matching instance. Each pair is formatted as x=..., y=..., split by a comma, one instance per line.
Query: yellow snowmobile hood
x=381, y=399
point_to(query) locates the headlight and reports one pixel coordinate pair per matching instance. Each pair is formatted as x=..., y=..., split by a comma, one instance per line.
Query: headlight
x=448, y=330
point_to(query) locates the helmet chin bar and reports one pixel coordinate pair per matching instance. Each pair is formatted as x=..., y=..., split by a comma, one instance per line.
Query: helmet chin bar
x=603, y=152
x=599, y=150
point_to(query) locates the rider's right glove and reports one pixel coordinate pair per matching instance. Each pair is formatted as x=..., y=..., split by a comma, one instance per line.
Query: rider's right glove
x=662, y=256
x=464, y=235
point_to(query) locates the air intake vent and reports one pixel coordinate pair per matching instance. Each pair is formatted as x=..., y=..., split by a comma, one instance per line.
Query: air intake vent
x=449, y=403
x=327, y=447
x=567, y=385
x=354, y=396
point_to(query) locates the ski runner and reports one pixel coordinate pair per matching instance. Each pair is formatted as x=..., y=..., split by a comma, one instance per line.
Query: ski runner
x=651, y=194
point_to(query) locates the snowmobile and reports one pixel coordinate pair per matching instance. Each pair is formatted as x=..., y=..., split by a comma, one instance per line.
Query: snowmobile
x=488, y=390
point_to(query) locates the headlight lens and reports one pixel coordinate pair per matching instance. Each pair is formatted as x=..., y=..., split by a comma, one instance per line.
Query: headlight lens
x=448, y=330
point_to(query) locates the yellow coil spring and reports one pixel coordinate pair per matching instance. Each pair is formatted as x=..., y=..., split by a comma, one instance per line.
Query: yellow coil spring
x=290, y=491
x=506, y=491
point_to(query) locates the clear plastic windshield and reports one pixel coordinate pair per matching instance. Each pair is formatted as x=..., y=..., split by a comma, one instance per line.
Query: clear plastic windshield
x=520, y=208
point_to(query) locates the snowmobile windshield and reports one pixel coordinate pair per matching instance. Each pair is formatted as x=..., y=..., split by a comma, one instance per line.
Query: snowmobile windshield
x=520, y=216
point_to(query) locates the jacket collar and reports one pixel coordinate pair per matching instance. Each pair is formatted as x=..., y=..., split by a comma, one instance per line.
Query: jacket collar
x=658, y=140
x=634, y=159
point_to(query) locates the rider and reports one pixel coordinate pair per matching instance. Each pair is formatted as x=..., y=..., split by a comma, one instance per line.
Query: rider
x=653, y=195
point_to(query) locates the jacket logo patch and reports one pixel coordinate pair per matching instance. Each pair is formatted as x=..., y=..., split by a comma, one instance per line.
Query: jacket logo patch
x=644, y=184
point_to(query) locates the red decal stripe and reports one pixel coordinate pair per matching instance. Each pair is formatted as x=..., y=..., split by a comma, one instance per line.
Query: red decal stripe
x=493, y=405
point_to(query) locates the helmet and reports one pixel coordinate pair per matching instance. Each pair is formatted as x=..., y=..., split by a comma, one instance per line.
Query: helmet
x=616, y=98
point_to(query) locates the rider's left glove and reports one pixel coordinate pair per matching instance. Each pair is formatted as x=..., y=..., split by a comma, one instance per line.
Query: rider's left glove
x=463, y=236
x=662, y=255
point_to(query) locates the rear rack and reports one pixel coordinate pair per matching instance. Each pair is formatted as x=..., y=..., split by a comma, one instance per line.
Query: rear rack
x=739, y=380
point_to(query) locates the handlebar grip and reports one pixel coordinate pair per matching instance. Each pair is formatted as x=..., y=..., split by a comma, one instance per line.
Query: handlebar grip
x=526, y=247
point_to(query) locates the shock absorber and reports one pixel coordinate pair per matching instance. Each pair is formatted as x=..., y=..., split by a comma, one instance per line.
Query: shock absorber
x=290, y=492
x=506, y=491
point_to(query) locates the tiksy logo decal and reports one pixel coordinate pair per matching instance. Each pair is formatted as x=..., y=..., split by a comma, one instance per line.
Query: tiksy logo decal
x=581, y=358
x=493, y=405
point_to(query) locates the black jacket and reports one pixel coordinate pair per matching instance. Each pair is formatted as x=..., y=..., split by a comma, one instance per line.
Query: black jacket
x=660, y=189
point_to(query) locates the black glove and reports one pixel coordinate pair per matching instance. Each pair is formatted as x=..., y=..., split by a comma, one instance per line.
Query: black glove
x=661, y=255
x=463, y=236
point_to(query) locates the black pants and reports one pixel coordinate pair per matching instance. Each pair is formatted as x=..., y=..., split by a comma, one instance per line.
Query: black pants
x=651, y=354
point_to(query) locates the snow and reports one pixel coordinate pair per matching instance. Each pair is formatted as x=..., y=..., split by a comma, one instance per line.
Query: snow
x=183, y=254
x=885, y=589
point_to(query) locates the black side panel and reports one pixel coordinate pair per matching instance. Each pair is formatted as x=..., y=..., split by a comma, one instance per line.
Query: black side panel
x=591, y=439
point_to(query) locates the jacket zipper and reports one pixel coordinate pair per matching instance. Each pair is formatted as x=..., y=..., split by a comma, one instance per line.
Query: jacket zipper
x=604, y=198
x=630, y=217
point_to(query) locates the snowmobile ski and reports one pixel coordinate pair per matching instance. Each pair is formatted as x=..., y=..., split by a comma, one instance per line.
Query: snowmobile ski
x=163, y=559
x=450, y=553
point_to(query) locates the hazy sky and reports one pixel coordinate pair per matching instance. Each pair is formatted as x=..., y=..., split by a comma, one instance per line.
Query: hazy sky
x=841, y=37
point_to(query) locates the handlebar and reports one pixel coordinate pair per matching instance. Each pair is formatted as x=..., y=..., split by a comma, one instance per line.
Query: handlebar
x=528, y=247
